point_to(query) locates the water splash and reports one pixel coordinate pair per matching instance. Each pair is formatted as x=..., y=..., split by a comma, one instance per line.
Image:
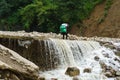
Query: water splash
x=80, y=54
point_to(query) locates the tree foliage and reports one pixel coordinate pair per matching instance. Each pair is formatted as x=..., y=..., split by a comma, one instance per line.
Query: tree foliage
x=44, y=15
x=4, y=8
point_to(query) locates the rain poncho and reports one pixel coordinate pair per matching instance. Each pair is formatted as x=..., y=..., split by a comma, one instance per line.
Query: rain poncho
x=63, y=28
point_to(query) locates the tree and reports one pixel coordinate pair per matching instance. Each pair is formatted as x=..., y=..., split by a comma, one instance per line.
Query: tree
x=37, y=15
x=44, y=15
x=4, y=8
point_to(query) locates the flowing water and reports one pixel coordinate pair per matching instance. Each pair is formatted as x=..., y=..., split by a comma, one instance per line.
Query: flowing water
x=78, y=54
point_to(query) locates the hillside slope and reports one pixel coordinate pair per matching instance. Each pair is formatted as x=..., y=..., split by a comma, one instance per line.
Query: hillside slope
x=110, y=27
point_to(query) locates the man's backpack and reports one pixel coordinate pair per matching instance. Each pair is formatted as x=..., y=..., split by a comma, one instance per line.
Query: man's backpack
x=63, y=29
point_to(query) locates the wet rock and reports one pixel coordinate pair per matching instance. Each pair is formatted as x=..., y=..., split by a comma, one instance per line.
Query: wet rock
x=54, y=79
x=116, y=59
x=108, y=70
x=14, y=77
x=75, y=78
x=72, y=71
x=117, y=78
x=108, y=74
x=106, y=55
x=6, y=74
x=87, y=70
x=118, y=73
x=117, y=53
x=24, y=43
x=41, y=78
x=113, y=72
x=103, y=66
x=118, y=48
x=73, y=37
x=96, y=58
x=109, y=45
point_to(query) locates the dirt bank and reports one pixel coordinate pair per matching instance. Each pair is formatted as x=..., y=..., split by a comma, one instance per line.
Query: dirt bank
x=110, y=27
x=98, y=25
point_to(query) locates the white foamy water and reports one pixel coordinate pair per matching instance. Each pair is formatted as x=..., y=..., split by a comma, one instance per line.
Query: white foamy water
x=81, y=54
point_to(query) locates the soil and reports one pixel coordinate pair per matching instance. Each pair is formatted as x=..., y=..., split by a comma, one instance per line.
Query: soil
x=110, y=27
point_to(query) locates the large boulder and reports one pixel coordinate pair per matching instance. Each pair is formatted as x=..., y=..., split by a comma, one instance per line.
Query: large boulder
x=72, y=71
x=75, y=78
x=13, y=64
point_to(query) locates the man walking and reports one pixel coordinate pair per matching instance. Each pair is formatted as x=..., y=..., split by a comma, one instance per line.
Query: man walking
x=63, y=30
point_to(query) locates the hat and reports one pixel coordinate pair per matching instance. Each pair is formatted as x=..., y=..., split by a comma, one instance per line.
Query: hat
x=65, y=24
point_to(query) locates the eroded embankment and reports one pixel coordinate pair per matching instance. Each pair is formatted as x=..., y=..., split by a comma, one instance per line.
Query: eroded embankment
x=104, y=21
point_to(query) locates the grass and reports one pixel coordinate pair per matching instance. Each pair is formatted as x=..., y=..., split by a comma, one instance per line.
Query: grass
x=106, y=9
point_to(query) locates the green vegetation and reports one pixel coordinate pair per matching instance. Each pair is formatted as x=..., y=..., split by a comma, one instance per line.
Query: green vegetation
x=43, y=15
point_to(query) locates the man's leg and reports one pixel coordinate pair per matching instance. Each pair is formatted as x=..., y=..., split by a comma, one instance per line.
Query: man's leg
x=66, y=35
x=63, y=35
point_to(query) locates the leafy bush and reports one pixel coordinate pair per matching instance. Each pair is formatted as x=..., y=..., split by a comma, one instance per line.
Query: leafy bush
x=45, y=15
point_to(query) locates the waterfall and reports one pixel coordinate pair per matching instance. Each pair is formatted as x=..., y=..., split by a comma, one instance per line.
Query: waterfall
x=64, y=53
x=54, y=56
x=71, y=52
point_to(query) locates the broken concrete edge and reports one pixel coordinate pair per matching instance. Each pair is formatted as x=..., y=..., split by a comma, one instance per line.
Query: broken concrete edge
x=22, y=37
x=42, y=36
x=26, y=35
x=30, y=68
x=6, y=68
